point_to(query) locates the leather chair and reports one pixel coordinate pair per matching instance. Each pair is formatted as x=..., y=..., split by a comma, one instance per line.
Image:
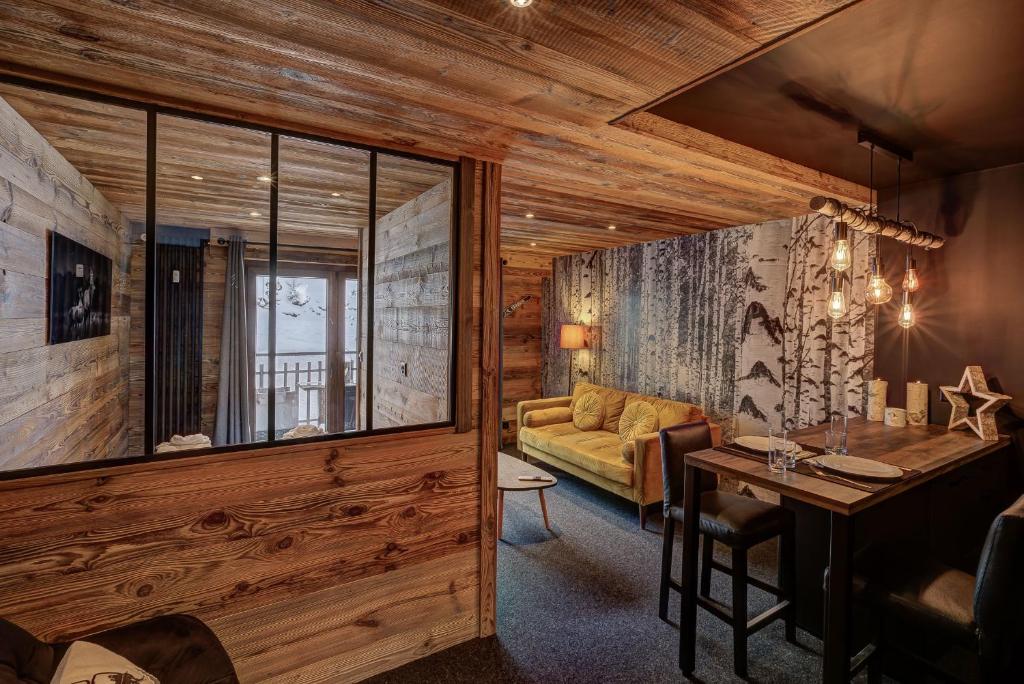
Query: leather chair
x=980, y=612
x=176, y=649
x=740, y=523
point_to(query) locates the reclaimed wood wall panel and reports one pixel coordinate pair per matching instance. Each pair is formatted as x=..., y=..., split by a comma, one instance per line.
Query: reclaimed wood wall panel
x=522, y=276
x=733, y=321
x=321, y=562
x=412, y=296
x=68, y=402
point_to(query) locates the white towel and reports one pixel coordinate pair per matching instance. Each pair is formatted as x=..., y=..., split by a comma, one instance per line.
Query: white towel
x=304, y=431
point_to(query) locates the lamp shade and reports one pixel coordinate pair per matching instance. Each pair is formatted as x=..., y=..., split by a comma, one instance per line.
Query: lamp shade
x=572, y=336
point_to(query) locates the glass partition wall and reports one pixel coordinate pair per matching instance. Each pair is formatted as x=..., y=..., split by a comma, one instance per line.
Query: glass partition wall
x=269, y=287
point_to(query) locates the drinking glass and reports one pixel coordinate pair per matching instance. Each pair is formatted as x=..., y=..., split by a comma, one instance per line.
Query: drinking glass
x=835, y=442
x=777, y=450
x=838, y=426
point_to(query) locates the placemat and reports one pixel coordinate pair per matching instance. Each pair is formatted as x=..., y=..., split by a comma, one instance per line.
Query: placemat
x=805, y=468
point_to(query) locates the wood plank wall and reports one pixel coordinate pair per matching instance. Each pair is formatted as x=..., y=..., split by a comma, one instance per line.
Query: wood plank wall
x=411, y=311
x=64, y=402
x=522, y=275
x=324, y=562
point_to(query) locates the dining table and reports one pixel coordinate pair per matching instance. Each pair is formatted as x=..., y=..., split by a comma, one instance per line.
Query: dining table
x=923, y=453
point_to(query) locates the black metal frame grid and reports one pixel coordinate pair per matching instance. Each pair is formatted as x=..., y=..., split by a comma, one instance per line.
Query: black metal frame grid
x=152, y=112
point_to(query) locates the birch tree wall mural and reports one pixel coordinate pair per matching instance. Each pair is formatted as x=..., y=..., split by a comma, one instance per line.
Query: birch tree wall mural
x=733, y=320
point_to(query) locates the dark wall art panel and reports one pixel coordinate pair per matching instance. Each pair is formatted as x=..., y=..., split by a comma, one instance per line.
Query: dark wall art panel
x=80, y=291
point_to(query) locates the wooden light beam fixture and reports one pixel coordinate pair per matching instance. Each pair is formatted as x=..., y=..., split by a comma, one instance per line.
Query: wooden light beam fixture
x=861, y=220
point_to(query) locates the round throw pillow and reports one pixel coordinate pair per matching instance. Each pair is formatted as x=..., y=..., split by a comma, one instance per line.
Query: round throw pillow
x=637, y=419
x=588, y=414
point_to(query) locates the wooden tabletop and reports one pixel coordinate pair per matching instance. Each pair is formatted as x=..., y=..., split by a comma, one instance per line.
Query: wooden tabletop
x=509, y=470
x=932, y=449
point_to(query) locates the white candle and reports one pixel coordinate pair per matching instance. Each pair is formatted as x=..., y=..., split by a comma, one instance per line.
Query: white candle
x=895, y=417
x=917, y=403
x=877, y=391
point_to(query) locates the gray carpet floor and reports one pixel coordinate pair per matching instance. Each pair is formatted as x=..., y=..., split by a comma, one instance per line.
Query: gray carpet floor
x=580, y=604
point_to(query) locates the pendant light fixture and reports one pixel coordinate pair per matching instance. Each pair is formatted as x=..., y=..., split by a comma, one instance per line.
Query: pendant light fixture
x=878, y=290
x=906, y=317
x=841, y=256
x=836, y=300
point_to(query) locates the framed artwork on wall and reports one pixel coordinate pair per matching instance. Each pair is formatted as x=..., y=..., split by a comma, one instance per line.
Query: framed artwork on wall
x=80, y=291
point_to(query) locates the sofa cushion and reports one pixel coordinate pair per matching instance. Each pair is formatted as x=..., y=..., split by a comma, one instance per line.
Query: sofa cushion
x=588, y=413
x=675, y=412
x=637, y=419
x=548, y=416
x=596, y=451
x=614, y=402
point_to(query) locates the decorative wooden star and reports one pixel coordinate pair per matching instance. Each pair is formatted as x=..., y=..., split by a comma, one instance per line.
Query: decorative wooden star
x=973, y=384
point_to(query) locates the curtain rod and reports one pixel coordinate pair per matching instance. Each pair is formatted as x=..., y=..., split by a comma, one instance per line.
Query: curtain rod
x=223, y=241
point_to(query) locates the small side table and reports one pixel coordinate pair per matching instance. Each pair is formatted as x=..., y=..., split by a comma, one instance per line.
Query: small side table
x=509, y=470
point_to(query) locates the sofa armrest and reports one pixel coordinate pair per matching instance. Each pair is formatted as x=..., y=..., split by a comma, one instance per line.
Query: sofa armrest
x=523, y=407
x=647, y=481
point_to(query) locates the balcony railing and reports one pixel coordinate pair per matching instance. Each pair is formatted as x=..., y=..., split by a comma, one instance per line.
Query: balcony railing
x=301, y=397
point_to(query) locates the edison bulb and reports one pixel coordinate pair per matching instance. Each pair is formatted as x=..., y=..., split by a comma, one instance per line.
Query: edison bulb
x=878, y=291
x=906, y=319
x=910, y=280
x=841, y=258
x=837, y=304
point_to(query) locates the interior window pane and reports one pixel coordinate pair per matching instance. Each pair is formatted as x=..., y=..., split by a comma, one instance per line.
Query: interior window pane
x=323, y=209
x=213, y=231
x=412, y=293
x=72, y=194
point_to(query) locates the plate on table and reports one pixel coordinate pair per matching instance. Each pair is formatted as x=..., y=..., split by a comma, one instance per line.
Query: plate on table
x=761, y=443
x=862, y=468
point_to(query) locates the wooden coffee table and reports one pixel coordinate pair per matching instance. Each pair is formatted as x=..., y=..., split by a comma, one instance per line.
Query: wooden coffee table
x=509, y=470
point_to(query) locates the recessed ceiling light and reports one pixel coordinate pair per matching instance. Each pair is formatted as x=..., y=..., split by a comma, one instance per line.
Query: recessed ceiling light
x=335, y=194
x=521, y=3
x=533, y=244
x=529, y=215
x=197, y=178
x=255, y=213
x=611, y=227
x=265, y=179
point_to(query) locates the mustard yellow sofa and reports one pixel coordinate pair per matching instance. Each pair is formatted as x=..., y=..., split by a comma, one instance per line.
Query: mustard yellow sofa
x=630, y=468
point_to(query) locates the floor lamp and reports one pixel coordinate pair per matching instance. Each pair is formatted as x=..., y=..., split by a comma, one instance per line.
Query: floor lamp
x=572, y=337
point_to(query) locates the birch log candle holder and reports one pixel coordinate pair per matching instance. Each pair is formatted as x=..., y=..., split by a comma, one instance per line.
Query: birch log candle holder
x=877, y=390
x=917, y=403
x=895, y=417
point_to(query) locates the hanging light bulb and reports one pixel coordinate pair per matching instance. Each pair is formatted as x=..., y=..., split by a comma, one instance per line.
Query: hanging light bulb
x=911, y=283
x=836, y=300
x=841, y=257
x=906, y=317
x=878, y=291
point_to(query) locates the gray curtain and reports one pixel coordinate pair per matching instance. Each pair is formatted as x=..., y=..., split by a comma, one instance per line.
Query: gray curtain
x=234, y=393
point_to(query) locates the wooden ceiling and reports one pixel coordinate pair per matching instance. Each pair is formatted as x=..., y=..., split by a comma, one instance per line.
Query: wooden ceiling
x=533, y=88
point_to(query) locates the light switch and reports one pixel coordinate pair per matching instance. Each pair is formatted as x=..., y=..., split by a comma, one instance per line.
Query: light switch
x=79, y=270
x=404, y=369
x=175, y=276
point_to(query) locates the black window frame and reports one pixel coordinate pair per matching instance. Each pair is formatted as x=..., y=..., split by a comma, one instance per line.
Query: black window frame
x=153, y=111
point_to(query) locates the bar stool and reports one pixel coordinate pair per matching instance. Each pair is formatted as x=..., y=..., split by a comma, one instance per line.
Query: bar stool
x=740, y=523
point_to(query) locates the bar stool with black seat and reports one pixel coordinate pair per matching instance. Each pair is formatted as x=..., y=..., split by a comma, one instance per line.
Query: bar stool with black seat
x=740, y=523
x=979, y=613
